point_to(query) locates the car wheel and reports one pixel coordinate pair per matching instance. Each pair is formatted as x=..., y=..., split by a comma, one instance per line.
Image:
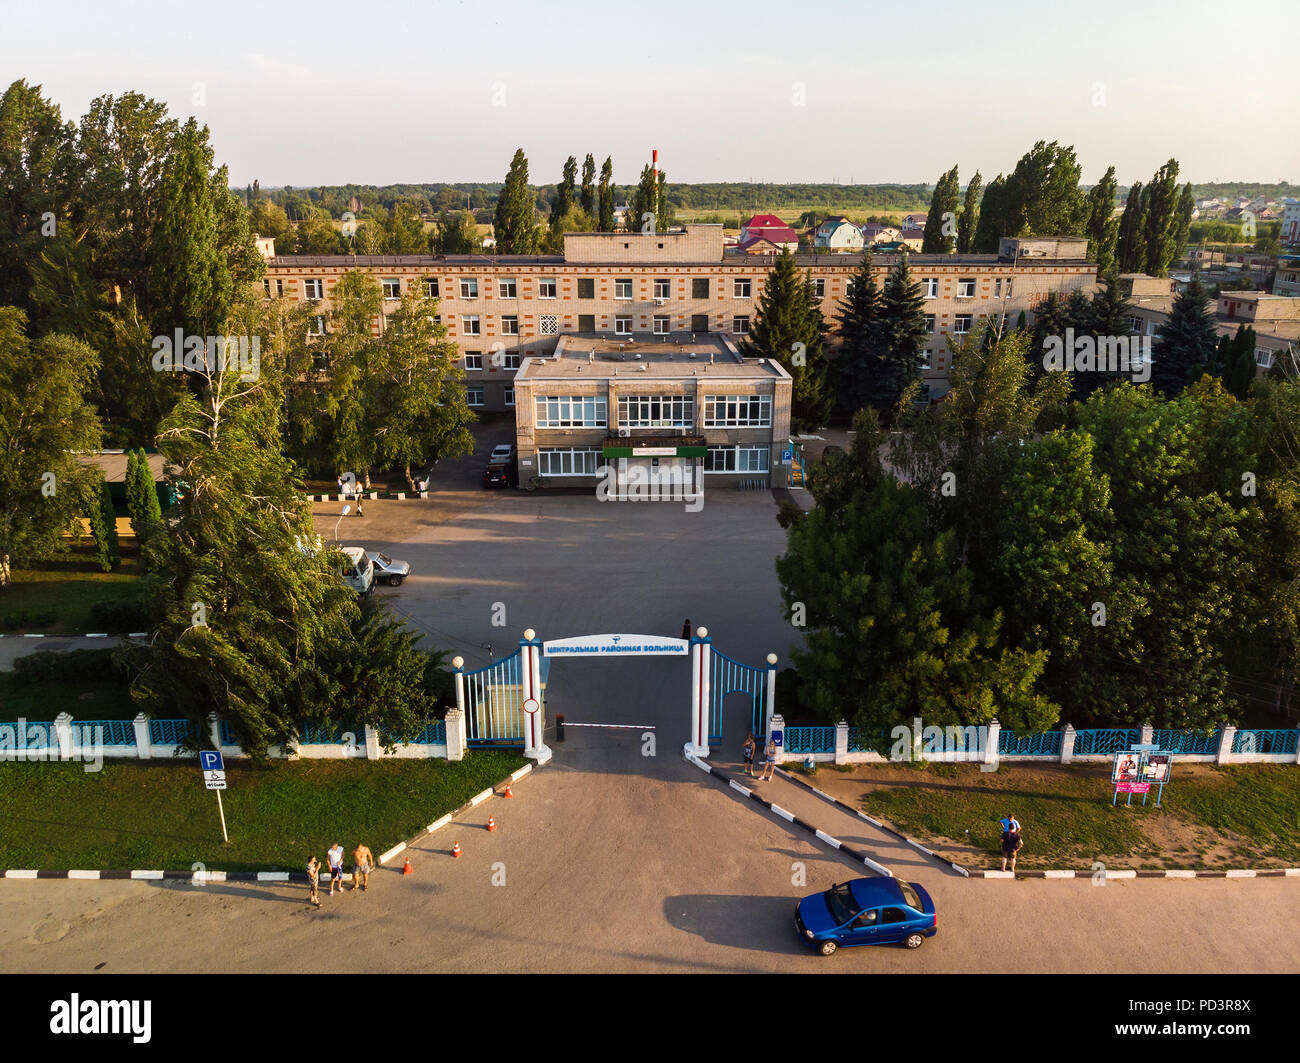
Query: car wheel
x=914, y=941
x=396, y=581
x=828, y=948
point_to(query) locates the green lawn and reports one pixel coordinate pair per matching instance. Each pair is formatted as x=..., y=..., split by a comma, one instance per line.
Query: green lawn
x=158, y=815
x=42, y=702
x=1239, y=816
x=56, y=596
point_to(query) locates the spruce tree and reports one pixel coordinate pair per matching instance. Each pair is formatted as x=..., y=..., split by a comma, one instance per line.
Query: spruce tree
x=605, y=223
x=789, y=329
x=1239, y=368
x=969, y=215
x=588, y=196
x=940, y=223
x=858, y=359
x=1103, y=226
x=103, y=527
x=515, y=222
x=902, y=334
x=1186, y=343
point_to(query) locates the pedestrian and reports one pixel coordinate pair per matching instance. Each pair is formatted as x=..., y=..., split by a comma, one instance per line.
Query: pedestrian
x=769, y=760
x=340, y=486
x=748, y=749
x=686, y=628
x=362, y=861
x=313, y=880
x=335, y=858
x=1009, y=822
x=1011, y=844
x=361, y=509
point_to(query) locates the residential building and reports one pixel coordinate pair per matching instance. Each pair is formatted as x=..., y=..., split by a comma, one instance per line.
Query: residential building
x=770, y=228
x=1290, y=232
x=838, y=234
x=1286, y=280
x=914, y=221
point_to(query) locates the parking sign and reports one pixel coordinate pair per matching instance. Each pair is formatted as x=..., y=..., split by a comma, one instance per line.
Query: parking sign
x=210, y=760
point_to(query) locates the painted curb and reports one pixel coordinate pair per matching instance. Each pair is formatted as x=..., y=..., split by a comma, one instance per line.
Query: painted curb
x=820, y=835
x=874, y=822
x=373, y=496
x=203, y=877
x=83, y=635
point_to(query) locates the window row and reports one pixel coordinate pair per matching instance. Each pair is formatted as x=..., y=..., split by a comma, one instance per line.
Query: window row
x=736, y=459
x=568, y=461
x=656, y=411
x=737, y=411
x=572, y=411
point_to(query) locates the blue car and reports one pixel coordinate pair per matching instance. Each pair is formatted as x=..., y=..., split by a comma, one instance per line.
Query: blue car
x=866, y=911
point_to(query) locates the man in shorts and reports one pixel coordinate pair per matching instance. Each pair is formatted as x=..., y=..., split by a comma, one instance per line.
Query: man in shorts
x=362, y=862
x=313, y=880
x=335, y=858
x=1011, y=844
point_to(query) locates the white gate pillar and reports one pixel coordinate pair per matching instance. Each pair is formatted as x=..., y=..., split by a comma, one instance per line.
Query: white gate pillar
x=701, y=659
x=530, y=662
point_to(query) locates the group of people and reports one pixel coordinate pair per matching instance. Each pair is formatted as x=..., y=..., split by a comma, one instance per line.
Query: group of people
x=769, y=758
x=1011, y=840
x=363, y=862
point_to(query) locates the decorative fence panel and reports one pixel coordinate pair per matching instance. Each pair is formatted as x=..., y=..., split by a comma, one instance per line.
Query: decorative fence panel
x=494, y=703
x=1265, y=741
x=732, y=677
x=810, y=739
x=868, y=740
x=1105, y=740
x=1039, y=744
x=116, y=732
x=328, y=734
x=168, y=732
x=1174, y=741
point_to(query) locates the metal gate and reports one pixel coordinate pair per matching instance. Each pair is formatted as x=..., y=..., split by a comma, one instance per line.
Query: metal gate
x=731, y=677
x=494, y=703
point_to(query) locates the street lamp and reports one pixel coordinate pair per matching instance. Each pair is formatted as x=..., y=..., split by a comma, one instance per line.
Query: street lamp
x=346, y=511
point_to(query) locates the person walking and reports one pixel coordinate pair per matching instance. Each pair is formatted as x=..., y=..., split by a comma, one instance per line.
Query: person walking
x=1011, y=844
x=362, y=861
x=313, y=880
x=769, y=760
x=335, y=858
x=686, y=628
x=749, y=749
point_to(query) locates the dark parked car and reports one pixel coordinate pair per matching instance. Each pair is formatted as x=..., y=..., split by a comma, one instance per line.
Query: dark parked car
x=501, y=474
x=866, y=911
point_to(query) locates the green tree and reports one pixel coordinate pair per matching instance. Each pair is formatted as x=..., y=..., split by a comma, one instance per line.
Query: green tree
x=1043, y=197
x=141, y=496
x=1186, y=343
x=564, y=194
x=606, y=191
x=456, y=234
x=1131, y=239
x=789, y=329
x=857, y=363
x=648, y=209
x=969, y=219
x=940, y=233
x=355, y=305
x=1163, y=221
x=1103, y=226
x=1238, y=367
x=103, y=526
x=45, y=420
x=515, y=222
x=587, y=199
x=993, y=223
x=902, y=337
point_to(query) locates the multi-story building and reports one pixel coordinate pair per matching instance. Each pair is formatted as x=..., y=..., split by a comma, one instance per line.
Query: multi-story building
x=503, y=309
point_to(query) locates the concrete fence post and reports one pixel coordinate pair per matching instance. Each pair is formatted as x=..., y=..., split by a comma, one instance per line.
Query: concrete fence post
x=842, y=742
x=63, y=735
x=1148, y=734
x=1225, y=744
x=214, y=730
x=991, y=747
x=1067, y=744
x=455, y=726
x=776, y=722
x=143, y=743
x=372, y=743
x=771, y=688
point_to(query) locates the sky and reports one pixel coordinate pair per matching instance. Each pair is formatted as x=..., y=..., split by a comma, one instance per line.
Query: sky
x=858, y=92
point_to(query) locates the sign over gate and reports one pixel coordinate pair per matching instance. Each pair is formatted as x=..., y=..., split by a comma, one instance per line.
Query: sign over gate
x=623, y=645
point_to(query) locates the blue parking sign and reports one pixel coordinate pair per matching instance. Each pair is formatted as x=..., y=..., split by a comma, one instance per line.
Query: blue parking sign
x=210, y=760
x=787, y=456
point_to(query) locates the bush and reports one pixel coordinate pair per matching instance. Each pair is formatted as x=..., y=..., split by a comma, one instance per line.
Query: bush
x=25, y=618
x=117, y=618
x=48, y=666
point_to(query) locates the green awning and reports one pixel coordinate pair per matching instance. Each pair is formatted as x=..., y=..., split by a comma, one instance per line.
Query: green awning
x=655, y=452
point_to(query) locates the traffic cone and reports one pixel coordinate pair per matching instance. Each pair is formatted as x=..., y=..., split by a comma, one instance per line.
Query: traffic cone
x=492, y=823
x=455, y=849
x=407, y=870
x=507, y=793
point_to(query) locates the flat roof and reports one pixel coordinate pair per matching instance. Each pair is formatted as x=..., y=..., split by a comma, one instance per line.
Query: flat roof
x=590, y=355
x=850, y=260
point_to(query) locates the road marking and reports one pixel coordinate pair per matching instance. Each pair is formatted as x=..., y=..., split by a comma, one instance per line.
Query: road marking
x=83, y=874
x=20, y=874
x=147, y=874
x=273, y=876
x=479, y=798
x=1121, y=874
x=438, y=823
x=623, y=726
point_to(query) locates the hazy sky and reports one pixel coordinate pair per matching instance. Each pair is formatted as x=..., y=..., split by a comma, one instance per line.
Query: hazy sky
x=325, y=93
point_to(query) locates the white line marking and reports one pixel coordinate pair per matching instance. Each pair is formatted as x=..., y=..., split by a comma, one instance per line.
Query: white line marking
x=394, y=851
x=736, y=786
x=1240, y=874
x=999, y=874
x=1180, y=874
x=1058, y=874
x=617, y=726
x=1121, y=874
x=442, y=822
x=521, y=773
x=1292, y=872
x=273, y=876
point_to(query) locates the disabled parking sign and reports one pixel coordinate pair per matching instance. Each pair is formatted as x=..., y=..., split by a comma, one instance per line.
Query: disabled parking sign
x=210, y=760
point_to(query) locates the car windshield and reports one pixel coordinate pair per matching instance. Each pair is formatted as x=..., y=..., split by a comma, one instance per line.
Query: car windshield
x=910, y=896
x=385, y=560
x=839, y=899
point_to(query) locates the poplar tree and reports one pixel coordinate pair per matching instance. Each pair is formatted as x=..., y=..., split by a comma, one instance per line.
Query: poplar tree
x=1162, y=224
x=992, y=225
x=103, y=526
x=1103, y=226
x=566, y=190
x=605, y=223
x=969, y=215
x=588, y=196
x=1131, y=241
x=940, y=223
x=515, y=222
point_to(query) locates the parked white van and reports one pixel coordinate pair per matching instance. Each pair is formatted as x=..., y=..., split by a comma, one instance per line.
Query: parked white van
x=358, y=569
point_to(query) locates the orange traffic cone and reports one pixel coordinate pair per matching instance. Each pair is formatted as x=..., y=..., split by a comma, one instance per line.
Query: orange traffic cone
x=455, y=848
x=492, y=823
x=507, y=793
x=407, y=869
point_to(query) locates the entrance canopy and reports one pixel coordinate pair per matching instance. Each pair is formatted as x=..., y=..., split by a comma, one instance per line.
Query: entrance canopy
x=622, y=645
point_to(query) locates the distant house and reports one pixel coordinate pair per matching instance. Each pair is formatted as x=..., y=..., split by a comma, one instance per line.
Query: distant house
x=873, y=233
x=770, y=228
x=761, y=245
x=838, y=234
x=1290, y=234
x=914, y=221
x=913, y=238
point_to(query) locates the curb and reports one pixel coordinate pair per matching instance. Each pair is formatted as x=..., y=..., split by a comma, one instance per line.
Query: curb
x=203, y=877
x=442, y=821
x=92, y=635
x=874, y=822
x=372, y=496
x=1105, y=876
x=790, y=817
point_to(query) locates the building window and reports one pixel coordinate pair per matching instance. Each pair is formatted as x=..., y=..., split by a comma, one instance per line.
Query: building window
x=279, y=287
x=926, y=356
x=586, y=288
x=623, y=288
x=966, y=288
x=550, y=325
x=266, y=284
x=546, y=288
x=819, y=288
x=469, y=324
x=392, y=287
x=929, y=322
x=506, y=288
x=431, y=287
x=1135, y=325
x=656, y=411
x=473, y=360
x=741, y=288
x=663, y=288
x=699, y=322
x=1264, y=357
x=313, y=289
x=622, y=326
x=661, y=325
x=961, y=324
x=1010, y=281
x=930, y=287
x=740, y=324
x=571, y=411
x=737, y=411
x=317, y=326
x=699, y=287
x=510, y=395
x=586, y=322
x=474, y=396
x=469, y=288
x=510, y=361
x=997, y=288
x=510, y=325
x=568, y=461
x=736, y=459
